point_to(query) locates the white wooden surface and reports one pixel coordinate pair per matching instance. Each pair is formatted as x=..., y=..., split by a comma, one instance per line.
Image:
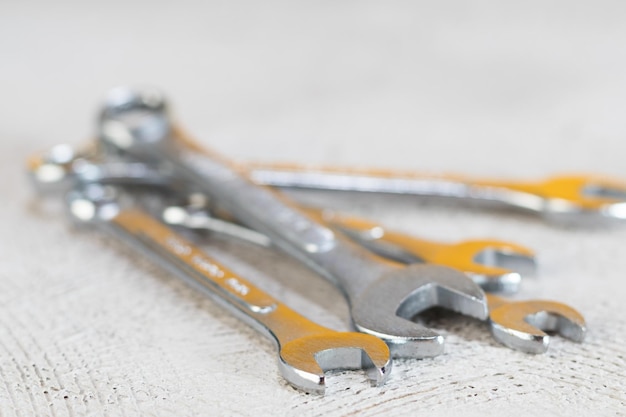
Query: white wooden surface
x=507, y=89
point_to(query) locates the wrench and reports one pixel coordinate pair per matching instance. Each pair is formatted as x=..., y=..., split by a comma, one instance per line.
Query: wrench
x=516, y=324
x=494, y=265
x=306, y=349
x=564, y=197
x=383, y=295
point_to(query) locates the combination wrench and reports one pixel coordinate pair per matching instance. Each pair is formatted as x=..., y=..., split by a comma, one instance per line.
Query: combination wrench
x=383, y=295
x=305, y=349
x=564, y=198
x=497, y=266
x=561, y=198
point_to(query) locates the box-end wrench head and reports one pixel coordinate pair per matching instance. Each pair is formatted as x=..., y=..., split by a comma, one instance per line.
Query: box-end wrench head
x=521, y=325
x=306, y=349
x=144, y=132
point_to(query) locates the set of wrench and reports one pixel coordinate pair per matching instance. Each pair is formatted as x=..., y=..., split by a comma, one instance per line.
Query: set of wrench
x=387, y=277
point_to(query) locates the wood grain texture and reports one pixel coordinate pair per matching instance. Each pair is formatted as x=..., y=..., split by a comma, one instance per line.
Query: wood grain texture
x=89, y=329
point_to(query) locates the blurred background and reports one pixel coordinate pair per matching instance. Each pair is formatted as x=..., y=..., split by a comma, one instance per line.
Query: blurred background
x=503, y=88
x=485, y=88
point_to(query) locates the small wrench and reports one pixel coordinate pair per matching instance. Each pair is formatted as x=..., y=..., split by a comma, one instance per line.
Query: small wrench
x=383, y=295
x=306, y=349
x=520, y=325
x=564, y=197
x=496, y=266
x=516, y=324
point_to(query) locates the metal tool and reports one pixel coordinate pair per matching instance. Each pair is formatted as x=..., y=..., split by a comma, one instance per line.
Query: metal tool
x=496, y=266
x=561, y=198
x=519, y=325
x=574, y=198
x=383, y=295
x=306, y=349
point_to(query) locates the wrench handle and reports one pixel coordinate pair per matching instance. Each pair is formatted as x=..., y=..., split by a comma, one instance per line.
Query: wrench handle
x=366, y=180
x=182, y=258
x=224, y=180
x=267, y=211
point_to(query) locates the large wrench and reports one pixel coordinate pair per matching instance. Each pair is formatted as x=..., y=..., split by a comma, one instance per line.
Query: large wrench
x=306, y=349
x=383, y=295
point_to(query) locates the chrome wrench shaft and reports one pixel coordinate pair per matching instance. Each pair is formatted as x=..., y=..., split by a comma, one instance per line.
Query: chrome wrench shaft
x=560, y=198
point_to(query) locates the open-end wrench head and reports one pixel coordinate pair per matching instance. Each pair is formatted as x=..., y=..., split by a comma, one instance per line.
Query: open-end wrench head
x=495, y=265
x=304, y=360
x=385, y=308
x=576, y=196
x=522, y=325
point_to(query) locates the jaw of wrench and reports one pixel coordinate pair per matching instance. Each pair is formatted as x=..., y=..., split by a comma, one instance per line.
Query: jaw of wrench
x=383, y=295
x=521, y=325
x=564, y=198
x=306, y=349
